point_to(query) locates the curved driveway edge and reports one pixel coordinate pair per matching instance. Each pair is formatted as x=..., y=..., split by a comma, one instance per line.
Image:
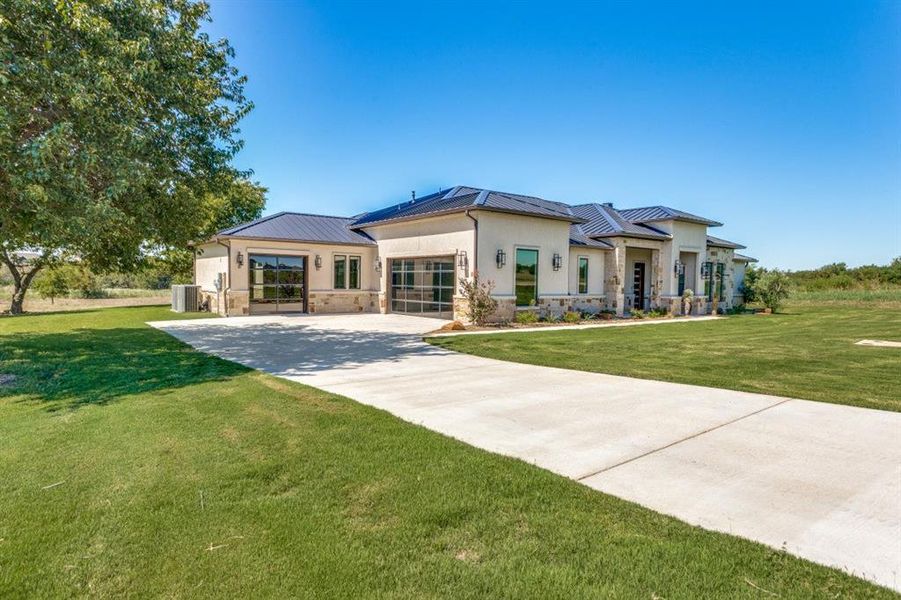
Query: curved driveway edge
x=822, y=481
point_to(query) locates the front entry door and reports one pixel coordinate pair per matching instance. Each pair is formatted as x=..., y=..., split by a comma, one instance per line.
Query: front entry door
x=638, y=285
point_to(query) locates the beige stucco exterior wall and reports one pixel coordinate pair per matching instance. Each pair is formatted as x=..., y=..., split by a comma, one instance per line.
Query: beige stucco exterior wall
x=687, y=237
x=595, y=269
x=448, y=235
x=214, y=258
x=318, y=279
x=209, y=261
x=508, y=232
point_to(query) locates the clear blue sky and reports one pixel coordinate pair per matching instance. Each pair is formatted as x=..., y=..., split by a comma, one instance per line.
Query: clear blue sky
x=781, y=120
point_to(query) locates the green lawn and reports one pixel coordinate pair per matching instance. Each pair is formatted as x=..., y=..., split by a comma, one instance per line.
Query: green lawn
x=133, y=465
x=805, y=351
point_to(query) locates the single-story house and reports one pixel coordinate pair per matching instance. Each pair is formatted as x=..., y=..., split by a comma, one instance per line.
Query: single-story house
x=409, y=258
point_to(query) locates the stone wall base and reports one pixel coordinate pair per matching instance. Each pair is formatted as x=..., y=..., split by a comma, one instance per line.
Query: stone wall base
x=228, y=303
x=342, y=302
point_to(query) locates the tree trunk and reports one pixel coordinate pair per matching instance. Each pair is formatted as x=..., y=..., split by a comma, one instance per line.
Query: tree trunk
x=21, y=281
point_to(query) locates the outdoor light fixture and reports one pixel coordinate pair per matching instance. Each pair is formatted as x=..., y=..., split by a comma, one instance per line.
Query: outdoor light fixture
x=318, y=262
x=464, y=260
x=557, y=261
x=378, y=264
x=501, y=259
x=240, y=260
x=679, y=267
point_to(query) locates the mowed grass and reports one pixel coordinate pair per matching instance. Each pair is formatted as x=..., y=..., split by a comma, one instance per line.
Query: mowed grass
x=131, y=465
x=805, y=351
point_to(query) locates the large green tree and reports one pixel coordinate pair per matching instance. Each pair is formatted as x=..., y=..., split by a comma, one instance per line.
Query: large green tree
x=118, y=126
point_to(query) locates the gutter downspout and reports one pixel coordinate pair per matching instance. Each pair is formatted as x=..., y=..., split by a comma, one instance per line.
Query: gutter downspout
x=475, y=251
x=228, y=274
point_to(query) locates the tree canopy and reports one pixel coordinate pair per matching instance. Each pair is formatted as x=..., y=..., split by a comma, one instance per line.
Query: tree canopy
x=118, y=127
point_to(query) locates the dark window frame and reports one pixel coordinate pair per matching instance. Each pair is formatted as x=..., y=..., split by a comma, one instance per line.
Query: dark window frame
x=583, y=282
x=339, y=282
x=516, y=272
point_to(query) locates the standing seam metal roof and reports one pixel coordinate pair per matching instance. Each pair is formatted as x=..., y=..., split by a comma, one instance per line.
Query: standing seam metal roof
x=605, y=221
x=721, y=243
x=462, y=197
x=649, y=214
x=302, y=228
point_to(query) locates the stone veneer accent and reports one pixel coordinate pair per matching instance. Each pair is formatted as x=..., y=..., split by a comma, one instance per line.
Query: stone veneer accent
x=233, y=303
x=342, y=302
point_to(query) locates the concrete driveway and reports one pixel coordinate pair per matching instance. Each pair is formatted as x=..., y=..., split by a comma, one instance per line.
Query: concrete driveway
x=823, y=481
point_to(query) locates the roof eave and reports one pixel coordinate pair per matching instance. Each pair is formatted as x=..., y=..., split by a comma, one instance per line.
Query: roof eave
x=296, y=240
x=639, y=236
x=699, y=221
x=463, y=209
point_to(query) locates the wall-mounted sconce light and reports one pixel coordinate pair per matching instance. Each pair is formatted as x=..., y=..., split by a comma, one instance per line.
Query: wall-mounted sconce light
x=557, y=261
x=679, y=267
x=464, y=260
x=240, y=260
x=501, y=259
x=378, y=264
x=318, y=262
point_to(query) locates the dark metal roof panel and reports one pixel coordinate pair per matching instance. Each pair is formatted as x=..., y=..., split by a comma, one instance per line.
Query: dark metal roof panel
x=606, y=221
x=463, y=197
x=649, y=214
x=742, y=258
x=721, y=243
x=577, y=237
x=300, y=227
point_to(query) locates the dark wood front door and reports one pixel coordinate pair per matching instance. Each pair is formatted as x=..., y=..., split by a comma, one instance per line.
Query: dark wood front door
x=638, y=285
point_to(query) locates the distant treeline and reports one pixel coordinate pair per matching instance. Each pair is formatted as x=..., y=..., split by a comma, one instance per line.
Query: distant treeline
x=838, y=276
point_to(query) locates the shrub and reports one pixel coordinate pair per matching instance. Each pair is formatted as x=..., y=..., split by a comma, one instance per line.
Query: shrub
x=637, y=313
x=526, y=317
x=606, y=315
x=480, y=304
x=572, y=317
x=658, y=312
x=772, y=288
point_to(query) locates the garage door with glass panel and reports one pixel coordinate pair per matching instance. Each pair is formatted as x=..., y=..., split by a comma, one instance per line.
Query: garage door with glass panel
x=277, y=283
x=423, y=286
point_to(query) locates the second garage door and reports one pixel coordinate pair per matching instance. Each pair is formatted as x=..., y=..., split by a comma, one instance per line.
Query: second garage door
x=423, y=286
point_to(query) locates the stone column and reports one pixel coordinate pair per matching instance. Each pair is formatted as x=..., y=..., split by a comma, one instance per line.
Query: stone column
x=656, y=278
x=615, y=274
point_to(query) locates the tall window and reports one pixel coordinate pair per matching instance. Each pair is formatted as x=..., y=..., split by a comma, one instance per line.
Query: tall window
x=340, y=272
x=583, y=275
x=353, y=274
x=526, y=277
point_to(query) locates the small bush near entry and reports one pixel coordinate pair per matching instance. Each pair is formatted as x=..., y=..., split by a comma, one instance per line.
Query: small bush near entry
x=526, y=317
x=657, y=313
x=637, y=313
x=572, y=317
x=606, y=315
x=480, y=304
x=771, y=288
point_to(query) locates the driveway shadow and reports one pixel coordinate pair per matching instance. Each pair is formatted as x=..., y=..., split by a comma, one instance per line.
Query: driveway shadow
x=97, y=366
x=300, y=349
